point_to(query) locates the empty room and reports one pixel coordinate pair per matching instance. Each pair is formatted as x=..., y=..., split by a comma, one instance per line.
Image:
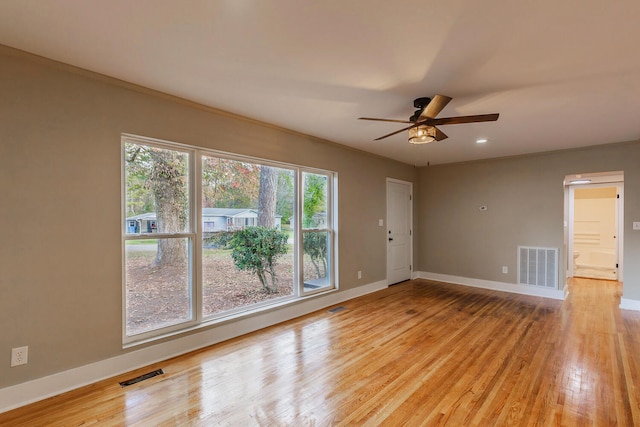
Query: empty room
x=334, y=213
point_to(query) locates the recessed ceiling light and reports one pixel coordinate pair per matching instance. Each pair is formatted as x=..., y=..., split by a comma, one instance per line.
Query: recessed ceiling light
x=481, y=140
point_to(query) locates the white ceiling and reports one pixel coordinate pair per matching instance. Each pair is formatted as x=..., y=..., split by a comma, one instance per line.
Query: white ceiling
x=561, y=73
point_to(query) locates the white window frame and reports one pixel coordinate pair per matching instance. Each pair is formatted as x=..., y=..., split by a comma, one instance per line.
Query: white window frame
x=329, y=228
x=195, y=232
x=191, y=236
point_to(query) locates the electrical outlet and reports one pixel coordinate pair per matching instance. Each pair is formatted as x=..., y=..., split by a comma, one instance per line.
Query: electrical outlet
x=359, y=274
x=505, y=269
x=19, y=356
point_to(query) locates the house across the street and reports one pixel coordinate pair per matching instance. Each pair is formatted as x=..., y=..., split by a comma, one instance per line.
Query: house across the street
x=213, y=219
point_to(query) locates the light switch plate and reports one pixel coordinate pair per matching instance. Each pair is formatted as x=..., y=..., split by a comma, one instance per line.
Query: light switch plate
x=636, y=225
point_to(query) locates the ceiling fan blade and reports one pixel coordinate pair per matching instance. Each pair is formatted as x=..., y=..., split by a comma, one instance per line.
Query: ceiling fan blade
x=384, y=120
x=396, y=132
x=440, y=135
x=434, y=107
x=461, y=119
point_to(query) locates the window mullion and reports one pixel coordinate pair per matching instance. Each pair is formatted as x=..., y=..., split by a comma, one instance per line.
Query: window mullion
x=299, y=234
x=196, y=284
x=152, y=236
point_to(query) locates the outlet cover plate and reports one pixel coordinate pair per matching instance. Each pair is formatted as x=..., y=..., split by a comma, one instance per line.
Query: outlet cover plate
x=19, y=356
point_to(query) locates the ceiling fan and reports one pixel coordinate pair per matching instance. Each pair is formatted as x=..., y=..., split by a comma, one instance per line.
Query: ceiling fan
x=423, y=122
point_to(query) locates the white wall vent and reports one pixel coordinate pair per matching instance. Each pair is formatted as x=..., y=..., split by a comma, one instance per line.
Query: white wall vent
x=538, y=266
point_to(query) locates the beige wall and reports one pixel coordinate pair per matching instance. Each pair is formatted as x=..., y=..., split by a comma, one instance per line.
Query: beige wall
x=60, y=208
x=525, y=206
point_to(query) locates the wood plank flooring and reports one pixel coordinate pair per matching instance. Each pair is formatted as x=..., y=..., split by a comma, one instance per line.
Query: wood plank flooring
x=418, y=353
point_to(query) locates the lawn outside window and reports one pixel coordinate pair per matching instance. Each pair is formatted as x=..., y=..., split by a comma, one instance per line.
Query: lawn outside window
x=208, y=235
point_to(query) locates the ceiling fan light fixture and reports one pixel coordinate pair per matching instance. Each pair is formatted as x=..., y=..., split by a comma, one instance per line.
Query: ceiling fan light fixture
x=422, y=134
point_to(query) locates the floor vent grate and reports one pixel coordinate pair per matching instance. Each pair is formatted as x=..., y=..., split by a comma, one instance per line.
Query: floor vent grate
x=538, y=266
x=142, y=378
x=336, y=309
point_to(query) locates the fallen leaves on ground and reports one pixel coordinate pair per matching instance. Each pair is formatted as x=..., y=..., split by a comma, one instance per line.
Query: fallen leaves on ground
x=158, y=297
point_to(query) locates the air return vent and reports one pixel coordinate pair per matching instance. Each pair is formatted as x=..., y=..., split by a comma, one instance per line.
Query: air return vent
x=538, y=266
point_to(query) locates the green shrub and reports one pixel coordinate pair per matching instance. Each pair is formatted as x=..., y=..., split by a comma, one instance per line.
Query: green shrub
x=257, y=249
x=315, y=245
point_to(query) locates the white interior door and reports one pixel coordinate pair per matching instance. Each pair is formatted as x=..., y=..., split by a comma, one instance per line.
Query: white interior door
x=399, y=239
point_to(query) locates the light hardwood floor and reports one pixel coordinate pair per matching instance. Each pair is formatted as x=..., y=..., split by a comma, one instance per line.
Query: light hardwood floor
x=418, y=353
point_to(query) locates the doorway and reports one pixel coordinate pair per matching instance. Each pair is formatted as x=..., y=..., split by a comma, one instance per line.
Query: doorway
x=594, y=225
x=399, y=234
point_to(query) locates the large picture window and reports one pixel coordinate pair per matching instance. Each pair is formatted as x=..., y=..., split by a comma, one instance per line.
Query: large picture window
x=207, y=235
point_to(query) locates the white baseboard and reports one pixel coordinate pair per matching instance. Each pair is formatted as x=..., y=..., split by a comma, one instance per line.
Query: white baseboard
x=496, y=286
x=32, y=391
x=629, y=304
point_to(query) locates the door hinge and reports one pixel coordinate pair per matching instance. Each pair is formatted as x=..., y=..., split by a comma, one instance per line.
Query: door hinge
x=409, y=232
x=616, y=265
x=617, y=196
x=410, y=197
